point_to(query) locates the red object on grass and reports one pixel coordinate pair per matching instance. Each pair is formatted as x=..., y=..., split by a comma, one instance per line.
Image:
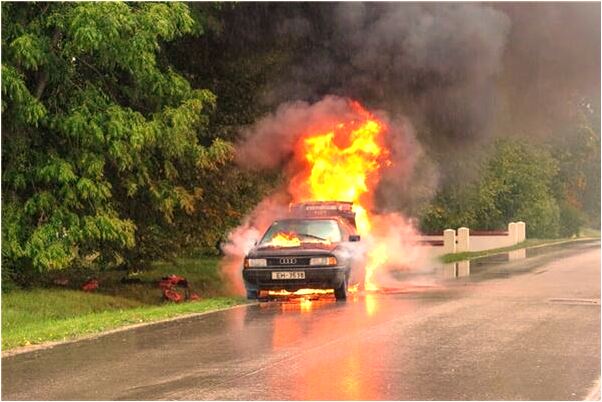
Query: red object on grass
x=165, y=284
x=172, y=280
x=172, y=295
x=90, y=285
x=168, y=285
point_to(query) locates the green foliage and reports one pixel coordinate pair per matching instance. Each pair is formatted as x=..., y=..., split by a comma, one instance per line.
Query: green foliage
x=577, y=187
x=571, y=220
x=233, y=61
x=105, y=146
x=27, y=110
x=515, y=186
x=448, y=210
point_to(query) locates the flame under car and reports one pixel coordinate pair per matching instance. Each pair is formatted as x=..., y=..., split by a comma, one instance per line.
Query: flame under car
x=312, y=248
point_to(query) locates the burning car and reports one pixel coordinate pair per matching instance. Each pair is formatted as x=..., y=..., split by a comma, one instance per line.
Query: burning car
x=313, y=247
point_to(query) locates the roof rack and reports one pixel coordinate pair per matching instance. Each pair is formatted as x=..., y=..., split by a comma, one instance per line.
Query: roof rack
x=343, y=209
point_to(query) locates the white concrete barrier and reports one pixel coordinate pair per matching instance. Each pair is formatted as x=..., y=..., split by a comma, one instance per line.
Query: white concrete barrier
x=473, y=240
x=449, y=241
x=512, y=233
x=480, y=241
x=463, y=241
x=521, y=231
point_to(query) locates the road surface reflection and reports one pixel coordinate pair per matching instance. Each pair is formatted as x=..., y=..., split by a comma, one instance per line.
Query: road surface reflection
x=308, y=331
x=324, y=341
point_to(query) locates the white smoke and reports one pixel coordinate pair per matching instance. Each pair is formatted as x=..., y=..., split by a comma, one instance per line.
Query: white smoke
x=242, y=239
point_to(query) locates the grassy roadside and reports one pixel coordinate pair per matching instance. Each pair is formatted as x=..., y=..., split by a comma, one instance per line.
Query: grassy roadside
x=43, y=314
x=448, y=258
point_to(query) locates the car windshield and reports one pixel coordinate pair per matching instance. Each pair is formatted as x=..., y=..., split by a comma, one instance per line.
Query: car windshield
x=309, y=230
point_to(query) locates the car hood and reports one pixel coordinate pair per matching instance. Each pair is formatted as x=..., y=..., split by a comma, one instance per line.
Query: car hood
x=303, y=249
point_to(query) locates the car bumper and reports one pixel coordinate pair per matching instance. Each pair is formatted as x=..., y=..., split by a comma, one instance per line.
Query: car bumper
x=315, y=278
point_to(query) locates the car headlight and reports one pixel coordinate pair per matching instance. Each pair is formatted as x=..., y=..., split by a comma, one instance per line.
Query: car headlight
x=255, y=262
x=323, y=261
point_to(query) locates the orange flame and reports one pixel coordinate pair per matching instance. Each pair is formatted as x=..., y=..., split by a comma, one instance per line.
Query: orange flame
x=284, y=239
x=344, y=164
x=300, y=292
x=290, y=239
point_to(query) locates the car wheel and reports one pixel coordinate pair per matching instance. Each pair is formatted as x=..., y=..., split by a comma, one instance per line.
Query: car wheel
x=340, y=293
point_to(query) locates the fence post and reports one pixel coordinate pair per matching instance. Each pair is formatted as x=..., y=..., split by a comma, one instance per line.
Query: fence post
x=521, y=230
x=512, y=233
x=449, y=241
x=463, y=240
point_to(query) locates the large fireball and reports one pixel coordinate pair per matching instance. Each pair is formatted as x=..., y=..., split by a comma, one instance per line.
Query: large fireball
x=344, y=164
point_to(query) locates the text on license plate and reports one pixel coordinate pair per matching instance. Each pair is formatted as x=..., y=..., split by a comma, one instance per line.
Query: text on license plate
x=288, y=275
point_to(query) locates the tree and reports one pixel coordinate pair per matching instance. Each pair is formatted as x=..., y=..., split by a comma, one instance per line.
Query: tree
x=104, y=143
x=452, y=207
x=516, y=185
x=577, y=186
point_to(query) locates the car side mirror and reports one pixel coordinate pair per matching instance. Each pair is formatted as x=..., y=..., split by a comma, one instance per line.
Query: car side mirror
x=354, y=238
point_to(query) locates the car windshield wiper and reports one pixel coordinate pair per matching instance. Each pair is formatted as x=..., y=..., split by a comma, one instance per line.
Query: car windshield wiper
x=312, y=236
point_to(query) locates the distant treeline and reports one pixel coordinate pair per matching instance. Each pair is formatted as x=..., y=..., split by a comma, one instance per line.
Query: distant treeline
x=554, y=188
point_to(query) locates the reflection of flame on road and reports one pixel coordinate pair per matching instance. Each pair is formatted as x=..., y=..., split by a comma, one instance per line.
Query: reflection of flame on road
x=371, y=304
x=305, y=305
x=339, y=371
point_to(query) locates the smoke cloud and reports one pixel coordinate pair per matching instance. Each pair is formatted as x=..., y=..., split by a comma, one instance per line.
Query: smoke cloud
x=269, y=144
x=433, y=62
x=462, y=74
x=446, y=79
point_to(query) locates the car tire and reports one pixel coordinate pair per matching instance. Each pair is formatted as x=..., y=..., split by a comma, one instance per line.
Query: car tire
x=340, y=293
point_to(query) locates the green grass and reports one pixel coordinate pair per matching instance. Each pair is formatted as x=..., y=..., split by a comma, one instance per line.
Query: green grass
x=448, y=258
x=50, y=314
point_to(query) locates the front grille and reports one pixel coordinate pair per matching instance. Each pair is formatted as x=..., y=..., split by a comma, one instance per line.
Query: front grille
x=288, y=261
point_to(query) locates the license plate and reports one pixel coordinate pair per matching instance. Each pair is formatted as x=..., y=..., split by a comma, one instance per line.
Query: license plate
x=288, y=275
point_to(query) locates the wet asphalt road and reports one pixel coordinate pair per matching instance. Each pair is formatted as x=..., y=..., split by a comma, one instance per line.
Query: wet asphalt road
x=524, y=329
